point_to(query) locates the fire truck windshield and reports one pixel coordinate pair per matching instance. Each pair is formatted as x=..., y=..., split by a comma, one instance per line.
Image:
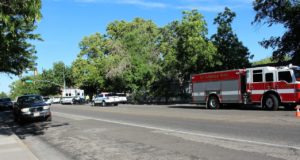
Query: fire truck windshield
x=297, y=74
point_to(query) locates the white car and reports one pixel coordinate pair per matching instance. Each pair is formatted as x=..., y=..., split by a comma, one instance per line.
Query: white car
x=67, y=100
x=56, y=100
x=122, y=97
x=104, y=99
x=47, y=100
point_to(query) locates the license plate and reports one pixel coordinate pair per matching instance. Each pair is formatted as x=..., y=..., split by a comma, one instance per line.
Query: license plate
x=36, y=114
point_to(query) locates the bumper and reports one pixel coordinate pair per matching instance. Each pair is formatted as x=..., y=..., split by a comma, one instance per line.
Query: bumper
x=67, y=102
x=35, y=115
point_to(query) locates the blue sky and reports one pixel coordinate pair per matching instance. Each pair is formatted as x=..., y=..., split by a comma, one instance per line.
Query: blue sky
x=66, y=22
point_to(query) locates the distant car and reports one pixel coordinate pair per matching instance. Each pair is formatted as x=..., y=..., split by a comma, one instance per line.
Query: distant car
x=78, y=100
x=31, y=107
x=6, y=104
x=56, y=100
x=105, y=99
x=122, y=97
x=48, y=100
x=67, y=100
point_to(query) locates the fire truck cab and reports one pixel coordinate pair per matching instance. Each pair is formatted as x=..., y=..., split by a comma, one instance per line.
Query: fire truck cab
x=273, y=86
x=268, y=86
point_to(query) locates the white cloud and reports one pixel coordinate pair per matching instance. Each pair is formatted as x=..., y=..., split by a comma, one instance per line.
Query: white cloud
x=143, y=3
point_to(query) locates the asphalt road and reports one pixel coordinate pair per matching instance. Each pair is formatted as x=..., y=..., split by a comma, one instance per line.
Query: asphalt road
x=151, y=132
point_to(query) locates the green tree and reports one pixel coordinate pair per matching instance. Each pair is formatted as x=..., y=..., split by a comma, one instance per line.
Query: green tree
x=287, y=13
x=232, y=54
x=17, y=23
x=87, y=76
x=263, y=61
x=185, y=51
x=89, y=68
x=21, y=87
x=45, y=83
x=134, y=54
x=3, y=95
x=52, y=81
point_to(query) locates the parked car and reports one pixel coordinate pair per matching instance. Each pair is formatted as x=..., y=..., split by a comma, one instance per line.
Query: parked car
x=78, y=100
x=104, y=99
x=67, y=100
x=122, y=97
x=48, y=100
x=30, y=107
x=6, y=104
x=56, y=100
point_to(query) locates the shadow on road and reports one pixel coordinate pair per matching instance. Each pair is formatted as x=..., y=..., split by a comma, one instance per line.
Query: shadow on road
x=188, y=107
x=5, y=124
x=227, y=107
x=30, y=128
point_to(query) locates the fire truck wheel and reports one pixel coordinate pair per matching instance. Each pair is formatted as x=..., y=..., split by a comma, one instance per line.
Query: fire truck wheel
x=271, y=102
x=213, y=102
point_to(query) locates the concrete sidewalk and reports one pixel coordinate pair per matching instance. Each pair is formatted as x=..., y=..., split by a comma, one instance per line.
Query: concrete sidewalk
x=11, y=147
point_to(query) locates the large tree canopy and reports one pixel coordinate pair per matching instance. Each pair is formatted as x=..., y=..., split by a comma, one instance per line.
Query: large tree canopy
x=17, y=23
x=185, y=50
x=287, y=13
x=231, y=52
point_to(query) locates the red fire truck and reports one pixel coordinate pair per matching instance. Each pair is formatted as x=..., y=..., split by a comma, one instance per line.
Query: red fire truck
x=268, y=86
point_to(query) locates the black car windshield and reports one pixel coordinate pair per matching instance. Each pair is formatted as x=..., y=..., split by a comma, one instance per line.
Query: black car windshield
x=30, y=99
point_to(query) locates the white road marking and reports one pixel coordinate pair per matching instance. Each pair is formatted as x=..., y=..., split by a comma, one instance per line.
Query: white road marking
x=72, y=116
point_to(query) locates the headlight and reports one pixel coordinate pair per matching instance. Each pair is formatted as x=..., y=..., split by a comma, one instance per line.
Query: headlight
x=46, y=107
x=25, y=109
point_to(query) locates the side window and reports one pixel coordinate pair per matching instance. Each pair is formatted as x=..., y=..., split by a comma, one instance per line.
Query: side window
x=257, y=76
x=66, y=94
x=269, y=77
x=285, y=76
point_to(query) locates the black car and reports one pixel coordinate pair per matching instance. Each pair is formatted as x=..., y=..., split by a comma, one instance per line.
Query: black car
x=6, y=104
x=31, y=107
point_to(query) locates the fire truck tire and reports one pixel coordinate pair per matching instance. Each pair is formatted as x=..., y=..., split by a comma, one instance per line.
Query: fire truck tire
x=271, y=102
x=213, y=102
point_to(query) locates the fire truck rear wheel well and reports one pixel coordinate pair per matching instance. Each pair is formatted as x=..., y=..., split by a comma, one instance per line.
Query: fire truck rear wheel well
x=214, y=95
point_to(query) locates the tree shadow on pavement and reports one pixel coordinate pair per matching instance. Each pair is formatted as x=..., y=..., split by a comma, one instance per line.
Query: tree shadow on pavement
x=5, y=128
x=29, y=128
